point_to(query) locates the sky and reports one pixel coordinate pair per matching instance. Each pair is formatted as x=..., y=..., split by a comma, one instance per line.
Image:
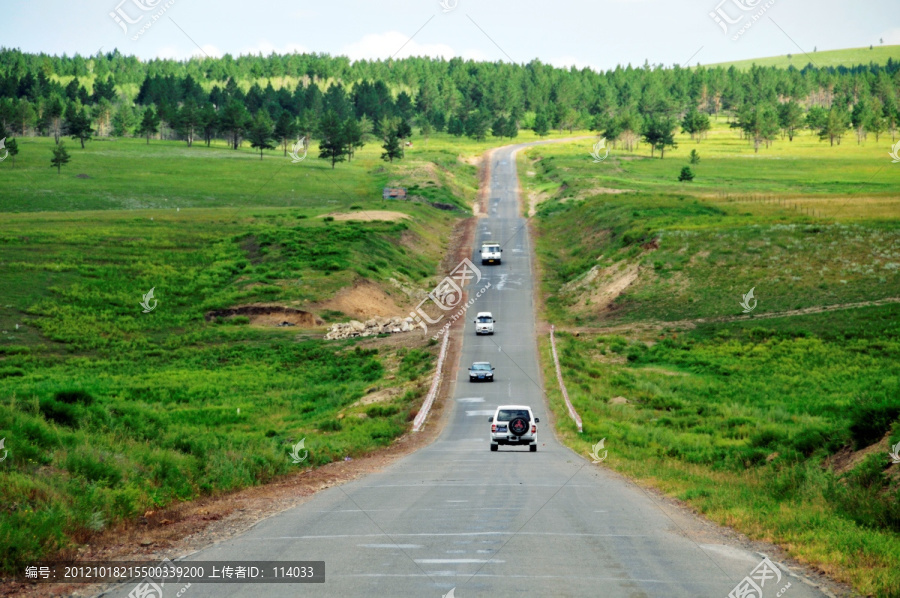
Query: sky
x=600, y=34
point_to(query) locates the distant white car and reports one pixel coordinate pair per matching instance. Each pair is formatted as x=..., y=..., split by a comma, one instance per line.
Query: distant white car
x=490, y=253
x=514, y=424
x=484, y=323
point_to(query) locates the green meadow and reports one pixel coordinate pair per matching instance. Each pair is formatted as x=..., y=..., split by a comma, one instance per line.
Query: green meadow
x=777, y=422
x=847, y=57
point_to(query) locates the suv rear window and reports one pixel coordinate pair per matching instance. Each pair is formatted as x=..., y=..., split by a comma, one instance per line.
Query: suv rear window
x=506, y=415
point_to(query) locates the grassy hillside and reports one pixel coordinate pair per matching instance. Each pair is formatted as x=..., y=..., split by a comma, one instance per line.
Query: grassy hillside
x=108, y=411
x=826, y=58
x=777, y=422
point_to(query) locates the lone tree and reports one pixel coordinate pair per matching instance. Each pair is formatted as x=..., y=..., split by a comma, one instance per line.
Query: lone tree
x=332, y=146
x=391, y=145
x=149, y=124
x=60, y=157
x=658, y=132
x=686, y=174
x=79, y=124
x=695, y=157
x=261, y=133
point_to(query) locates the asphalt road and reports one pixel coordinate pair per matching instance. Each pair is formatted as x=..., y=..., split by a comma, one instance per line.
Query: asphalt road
x=511, y=523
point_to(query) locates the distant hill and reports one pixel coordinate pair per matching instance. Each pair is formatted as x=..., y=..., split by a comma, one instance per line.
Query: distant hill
x=824, y=59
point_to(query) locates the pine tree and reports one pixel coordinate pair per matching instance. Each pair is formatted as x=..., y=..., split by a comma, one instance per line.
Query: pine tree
x=60, y=156
x=260, y=133
x=149, y=124
x=541, y=125
x=13, y=148
x=686, y=174
x=391, y=145
x=353, y=136
x=332, y=146
x=79, y=124
x=285, y=129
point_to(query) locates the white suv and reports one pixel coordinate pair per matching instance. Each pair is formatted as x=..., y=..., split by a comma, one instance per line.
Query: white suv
x=514, y=424
x=490, y=253
x=484, y=323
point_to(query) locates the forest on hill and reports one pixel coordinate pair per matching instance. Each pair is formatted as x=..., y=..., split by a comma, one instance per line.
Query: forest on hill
x=282, y=97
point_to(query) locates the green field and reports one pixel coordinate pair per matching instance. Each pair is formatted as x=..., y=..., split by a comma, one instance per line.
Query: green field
x=847, y=57
x=776, y=422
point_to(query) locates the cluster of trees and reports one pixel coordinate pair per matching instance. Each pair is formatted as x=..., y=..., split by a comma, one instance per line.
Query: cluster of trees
x=272, y=100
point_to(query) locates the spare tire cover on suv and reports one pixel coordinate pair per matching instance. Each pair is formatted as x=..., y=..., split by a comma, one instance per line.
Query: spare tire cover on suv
x=518, y=426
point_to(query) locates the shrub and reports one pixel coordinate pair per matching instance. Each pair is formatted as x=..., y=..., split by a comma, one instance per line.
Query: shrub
x=871, y=419
x=72, y=397
x=686, y=174
x=330, y=425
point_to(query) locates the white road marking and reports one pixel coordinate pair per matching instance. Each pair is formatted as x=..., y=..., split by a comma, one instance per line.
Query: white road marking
x=455, y=561
x=451, y=534
x=403, y=546
x=471, y=400
x=480, y=412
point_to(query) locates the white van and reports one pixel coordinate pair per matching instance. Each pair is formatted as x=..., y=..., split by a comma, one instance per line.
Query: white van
x=490, y=253
x=484, y=323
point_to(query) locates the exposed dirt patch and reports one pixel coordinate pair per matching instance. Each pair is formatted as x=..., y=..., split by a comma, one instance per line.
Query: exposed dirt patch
x=606, y=191
x=369, y=215
x=268, y=315
x=600, y=287
x=846, y=459
x=362, y=301
x=618, y=401
x=379, y=396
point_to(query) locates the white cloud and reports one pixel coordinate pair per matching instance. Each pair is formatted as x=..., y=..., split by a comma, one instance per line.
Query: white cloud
x=384, y=45
x=265, y=48
x=891, y=36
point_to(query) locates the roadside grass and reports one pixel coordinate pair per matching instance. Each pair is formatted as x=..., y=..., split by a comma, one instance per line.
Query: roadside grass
x=108, y=412
x=778, y=427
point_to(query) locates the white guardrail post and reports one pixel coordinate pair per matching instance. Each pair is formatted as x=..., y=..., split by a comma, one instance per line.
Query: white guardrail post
x=419, y=421
x=562, y=385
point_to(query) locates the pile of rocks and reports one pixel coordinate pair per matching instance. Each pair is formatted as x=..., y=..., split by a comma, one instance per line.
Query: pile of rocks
x=377, y=325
